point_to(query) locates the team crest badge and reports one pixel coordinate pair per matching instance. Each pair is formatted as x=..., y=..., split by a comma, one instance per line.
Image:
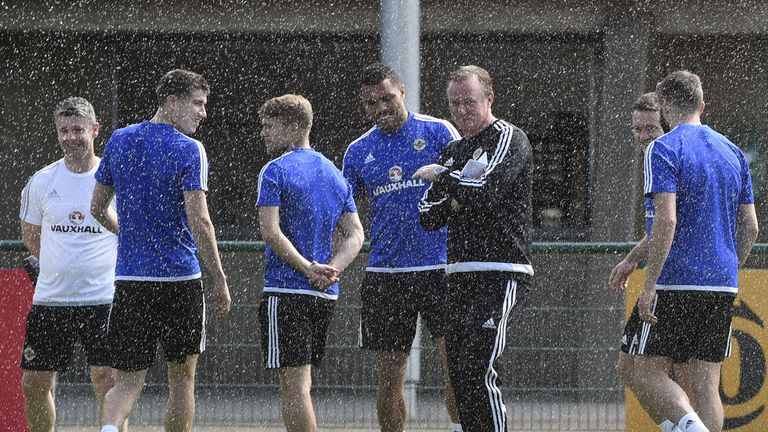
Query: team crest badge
x=419, y=144
x=477, y=153
x=77, y=217
x=395, y=174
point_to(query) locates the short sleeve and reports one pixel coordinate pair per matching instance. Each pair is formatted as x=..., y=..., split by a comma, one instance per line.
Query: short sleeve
x=661, y=168
x=103, y=174
x=747, y=196
x=351, y=173
x=349, y=202
x=195, y=173
x=269, y=186
x=31, y=210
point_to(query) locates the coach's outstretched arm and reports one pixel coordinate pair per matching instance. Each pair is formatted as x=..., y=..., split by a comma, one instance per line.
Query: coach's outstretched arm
x=196, y=208
x=746, y=231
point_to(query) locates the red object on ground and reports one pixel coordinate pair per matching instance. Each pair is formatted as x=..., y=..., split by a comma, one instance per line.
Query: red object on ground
x=15, y=301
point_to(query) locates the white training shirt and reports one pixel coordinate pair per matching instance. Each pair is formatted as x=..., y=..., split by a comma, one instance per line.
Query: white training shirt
x=77, y=254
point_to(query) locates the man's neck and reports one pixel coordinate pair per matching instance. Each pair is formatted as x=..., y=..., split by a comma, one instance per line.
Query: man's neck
x=161, y=117
x=686, y=119
x=303, y=143
x=78, y=166
x=488, y=121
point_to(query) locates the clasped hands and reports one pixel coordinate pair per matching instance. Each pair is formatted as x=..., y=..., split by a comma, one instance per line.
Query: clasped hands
x=322, y=276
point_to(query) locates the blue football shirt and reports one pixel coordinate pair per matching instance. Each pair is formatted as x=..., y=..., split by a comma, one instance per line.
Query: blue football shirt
x=312, y=195
x=711, y=178
x=150, y=165
x=380, y=165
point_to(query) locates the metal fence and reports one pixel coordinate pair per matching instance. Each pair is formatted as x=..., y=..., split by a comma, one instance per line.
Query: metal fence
x=557, y=369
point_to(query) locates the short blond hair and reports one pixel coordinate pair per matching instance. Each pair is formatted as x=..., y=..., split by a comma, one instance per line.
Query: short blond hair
x=290, y=108
x=682, y=89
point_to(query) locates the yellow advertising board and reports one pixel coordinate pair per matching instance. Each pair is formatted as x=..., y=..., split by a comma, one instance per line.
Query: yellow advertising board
x=744, y=381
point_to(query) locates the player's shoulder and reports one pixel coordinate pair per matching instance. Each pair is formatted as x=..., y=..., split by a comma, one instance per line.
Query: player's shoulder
x=127, y=131
x=276, y=164
x=47, y=173
x=436, y=124
x=369, y=137
x=362, y=143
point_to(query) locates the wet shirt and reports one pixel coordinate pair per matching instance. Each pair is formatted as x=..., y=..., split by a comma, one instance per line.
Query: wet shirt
x=150, y=166
x=380, y=165
x=77, y=254
x=311, y=194
x=711, y=178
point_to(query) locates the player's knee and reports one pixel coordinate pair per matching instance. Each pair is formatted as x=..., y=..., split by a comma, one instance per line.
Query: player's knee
x=624, y=370
x=35, y=385
x=102, y=381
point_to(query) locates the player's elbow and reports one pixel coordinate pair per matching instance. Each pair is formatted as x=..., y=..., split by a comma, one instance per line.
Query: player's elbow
x=668, y=222
x=270, y=235
x=356, y=238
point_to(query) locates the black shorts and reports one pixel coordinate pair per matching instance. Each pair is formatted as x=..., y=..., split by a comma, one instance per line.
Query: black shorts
x=691, y=324
x=391, y=302
x=53, y=330
x=145, y=313
x=293, y=329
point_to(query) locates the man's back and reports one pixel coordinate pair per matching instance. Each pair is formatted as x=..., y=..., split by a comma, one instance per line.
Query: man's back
x=710, y=178
x=312, y=195
x=150, y=166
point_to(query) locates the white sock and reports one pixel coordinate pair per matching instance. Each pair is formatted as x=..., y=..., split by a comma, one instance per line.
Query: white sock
x=668, y=426
x=691, y=423
x=109, y=428
x=456, y=427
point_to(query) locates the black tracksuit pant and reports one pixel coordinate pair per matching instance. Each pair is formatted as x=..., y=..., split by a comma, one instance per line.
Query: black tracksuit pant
x=480, y=307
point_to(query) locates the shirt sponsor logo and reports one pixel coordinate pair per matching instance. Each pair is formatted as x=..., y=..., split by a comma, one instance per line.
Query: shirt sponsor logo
x=77, y=217
x=395, y=174
x=76, y=229
x=419, y=144
x=397, y=186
